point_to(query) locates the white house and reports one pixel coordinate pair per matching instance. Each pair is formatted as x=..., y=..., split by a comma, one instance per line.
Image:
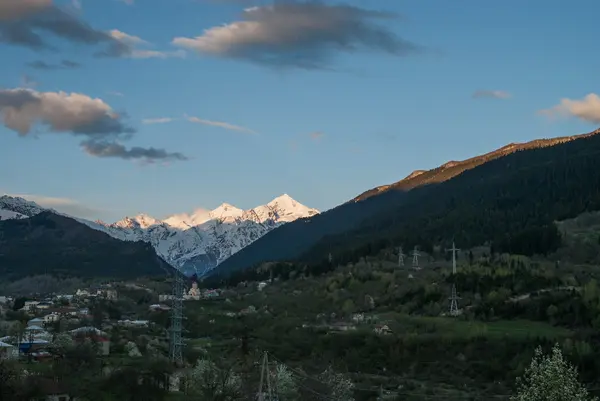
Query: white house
x=51, y=318
x=30, y=305
x=8, y=351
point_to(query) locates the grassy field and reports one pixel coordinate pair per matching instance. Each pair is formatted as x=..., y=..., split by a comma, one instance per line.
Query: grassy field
x=449, y=327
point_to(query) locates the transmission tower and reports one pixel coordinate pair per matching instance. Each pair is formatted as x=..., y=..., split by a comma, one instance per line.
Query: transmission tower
x=454, y=301
x=454, y=249
x=415, y=260
x=330, y=257
x=265, y=374
x=176, y=341
x=454, y=297
x=401, y=256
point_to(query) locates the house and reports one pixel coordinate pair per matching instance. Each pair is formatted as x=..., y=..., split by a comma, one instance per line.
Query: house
x=44, y=305
x=8, y=351
x=35, y=322
x=158, y=307
x=98, y=337
x=30, y=306
x=383, y=330
x=134, y=323
x=51, y=318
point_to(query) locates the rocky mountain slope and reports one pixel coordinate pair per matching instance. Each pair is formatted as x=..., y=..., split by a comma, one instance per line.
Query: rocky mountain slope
x=44, y=242
x=194, y=242
x=516, y=185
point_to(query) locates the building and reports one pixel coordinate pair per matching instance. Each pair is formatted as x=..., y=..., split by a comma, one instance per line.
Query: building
x=97, y=337
x=8, y=351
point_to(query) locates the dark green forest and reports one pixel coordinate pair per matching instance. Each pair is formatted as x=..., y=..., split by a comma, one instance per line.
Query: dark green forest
x=49, y=243
x=510, y=202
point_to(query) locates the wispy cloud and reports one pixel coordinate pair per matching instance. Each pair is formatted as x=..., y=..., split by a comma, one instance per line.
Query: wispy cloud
x=160, y=120
x=491, y=94
x=68, y=206
x=316, y=136
x=115, y=93
x=28, y=81
x=64, y=64
x=130, y=47
x=220, y=124
x=586, y=109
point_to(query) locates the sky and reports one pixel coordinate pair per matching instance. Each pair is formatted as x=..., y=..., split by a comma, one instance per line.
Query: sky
x=111, y=108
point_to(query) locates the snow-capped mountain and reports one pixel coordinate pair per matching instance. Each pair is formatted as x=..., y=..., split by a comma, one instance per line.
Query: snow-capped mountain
x=18, y=208
x=197, y=241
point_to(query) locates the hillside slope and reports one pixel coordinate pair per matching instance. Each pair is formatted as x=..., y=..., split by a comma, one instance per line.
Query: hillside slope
x=58, y=245
x=518, y=185
x=452, y=169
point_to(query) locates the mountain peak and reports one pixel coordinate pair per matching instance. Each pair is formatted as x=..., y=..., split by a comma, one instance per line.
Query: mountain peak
x=20, y=206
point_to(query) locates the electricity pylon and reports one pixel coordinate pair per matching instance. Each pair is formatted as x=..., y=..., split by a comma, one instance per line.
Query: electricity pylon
x=415, y=260
x=401, y=256
x=453, y=297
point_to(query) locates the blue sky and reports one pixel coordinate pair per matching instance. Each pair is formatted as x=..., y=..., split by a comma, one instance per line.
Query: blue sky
x=304, y=117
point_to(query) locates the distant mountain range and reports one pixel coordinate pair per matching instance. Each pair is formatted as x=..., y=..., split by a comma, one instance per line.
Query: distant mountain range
x=194, y=243
x=459, y=198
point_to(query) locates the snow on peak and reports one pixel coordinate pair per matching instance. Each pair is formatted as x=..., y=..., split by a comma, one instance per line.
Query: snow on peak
x=226, y=212
x=198, y=241
x=12, y=207
x=203, y=239
x=288, y=209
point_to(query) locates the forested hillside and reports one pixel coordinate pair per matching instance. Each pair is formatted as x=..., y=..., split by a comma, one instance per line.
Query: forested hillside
x=510, y=201
x=57, y=245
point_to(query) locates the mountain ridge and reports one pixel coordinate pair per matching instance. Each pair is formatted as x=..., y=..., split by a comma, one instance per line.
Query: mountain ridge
x=197, y=241
x=337, y=225
x=453, y=168
x=47, y=242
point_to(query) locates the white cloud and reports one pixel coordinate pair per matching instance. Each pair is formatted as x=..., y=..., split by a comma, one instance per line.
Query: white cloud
x=300, y=35
x=127, y=38
x=586, y=109
x=130, y=47
x=157, y=54
x=63, y=205
x=160, y=120
x=493, y=94
x=115, y=93
x=220, y=124
x=128, y=2
x=77, y=114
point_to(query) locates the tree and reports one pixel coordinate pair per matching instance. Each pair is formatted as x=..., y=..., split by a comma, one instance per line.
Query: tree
x=550, y=378
x=209, y=382
x=287, y=389
x=340, y=388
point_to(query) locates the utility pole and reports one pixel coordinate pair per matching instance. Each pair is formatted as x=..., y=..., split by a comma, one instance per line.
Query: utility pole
x=265, y=374
x=415, y=261
x=401, y=256
x=453, y=297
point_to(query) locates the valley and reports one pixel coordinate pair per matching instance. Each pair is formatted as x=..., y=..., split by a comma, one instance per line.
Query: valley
x=336, y=300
